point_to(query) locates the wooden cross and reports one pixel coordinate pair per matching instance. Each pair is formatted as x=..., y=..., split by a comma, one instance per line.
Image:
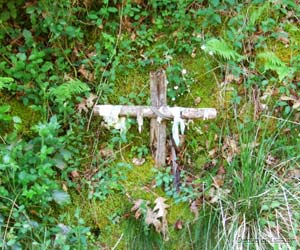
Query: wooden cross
x=158, y=112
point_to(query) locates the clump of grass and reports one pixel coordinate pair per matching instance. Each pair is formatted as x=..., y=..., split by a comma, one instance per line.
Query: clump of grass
x=261, y=209
x=139, y=236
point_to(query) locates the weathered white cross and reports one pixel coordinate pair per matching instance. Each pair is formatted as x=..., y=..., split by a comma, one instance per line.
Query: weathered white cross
x=159, y=112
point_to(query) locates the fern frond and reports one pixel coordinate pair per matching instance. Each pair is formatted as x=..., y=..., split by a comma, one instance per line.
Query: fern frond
x=272, y=62
x=68, y=89
x=4, y=81
x=257, y=13
x=270, y=58
x=221, y=48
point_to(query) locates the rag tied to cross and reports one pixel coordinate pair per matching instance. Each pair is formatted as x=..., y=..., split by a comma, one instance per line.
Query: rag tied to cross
x=158, y=112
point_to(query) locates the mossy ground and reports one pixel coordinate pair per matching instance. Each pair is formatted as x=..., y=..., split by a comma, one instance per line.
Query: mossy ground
x=110, y=217
x=28, y=116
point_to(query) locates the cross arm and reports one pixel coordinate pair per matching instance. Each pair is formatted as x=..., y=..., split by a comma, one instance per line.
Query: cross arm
x=165, y=111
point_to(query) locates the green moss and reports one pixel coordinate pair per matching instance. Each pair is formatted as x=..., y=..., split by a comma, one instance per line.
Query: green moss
x=131, y=88
x=205, y=78
x=179, y=211
x=28, y=116
x=105, y=217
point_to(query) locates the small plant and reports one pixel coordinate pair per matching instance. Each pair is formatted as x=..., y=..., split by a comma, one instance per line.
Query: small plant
x=140, y=152
x=184, y=193
x=107, y=180
x=28, y=182
x=272, y=62
x=221, y=48
x=179, y=81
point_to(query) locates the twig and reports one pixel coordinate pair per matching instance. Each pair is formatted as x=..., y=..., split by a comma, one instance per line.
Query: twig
x=281, y=119
x=290, y=215
x=118, y=242
x=2, y=139
x=8, y=220
x=190, y=236
x=175, y=170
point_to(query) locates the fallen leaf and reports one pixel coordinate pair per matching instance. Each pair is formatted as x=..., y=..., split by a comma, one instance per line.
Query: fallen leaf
x=137, y=204
x=90, y=101
x=161, y=212
x=283, y=39
x=156, y=216
x=74, y=174
x=178, y=225
x=137, y=207
x=229, y=78
x=271, y=161
x=230, y=148
x=133, y=36
x=195, y=210
x=287, y=98
x=296, y=105
x=218, y=181
x=293, y=99
x=221, y=170
x=293, y=174
x=64, y=187
x=213, y=194
x=106, y=152
x=212, y=153
x=82, y=107
x=283, y=36
x=86, y=73
x=152, y=218
x=160, y=207
x=86, y=103
x=197, y=100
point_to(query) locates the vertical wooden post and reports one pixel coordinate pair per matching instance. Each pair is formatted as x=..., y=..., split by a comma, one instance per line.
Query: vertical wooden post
x=158, y=89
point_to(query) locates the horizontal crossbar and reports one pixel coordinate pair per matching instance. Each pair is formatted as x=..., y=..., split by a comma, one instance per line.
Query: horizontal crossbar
x=164, y=112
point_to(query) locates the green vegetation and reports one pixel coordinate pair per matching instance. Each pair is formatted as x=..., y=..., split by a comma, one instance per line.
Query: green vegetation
x=69, y=182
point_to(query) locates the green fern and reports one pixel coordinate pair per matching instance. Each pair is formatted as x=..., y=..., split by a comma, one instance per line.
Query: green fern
x=272, y=62
x=270, y=58
x=68, y=89
x=4, y=81
x=257, y=13
x=221, y=48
